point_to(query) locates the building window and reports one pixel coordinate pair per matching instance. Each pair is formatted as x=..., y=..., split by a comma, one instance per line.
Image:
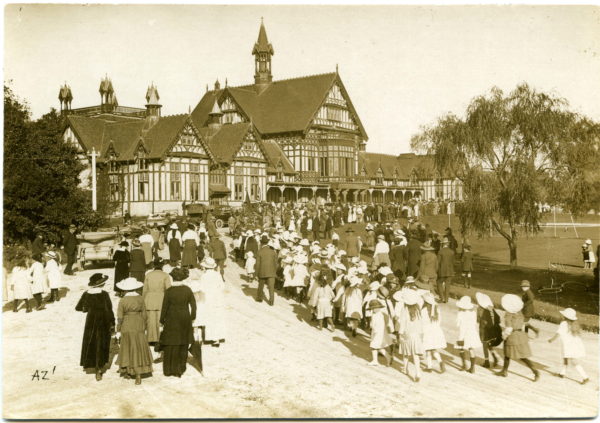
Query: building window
x=238, y=186
x=254, y=187
x=195, y=186
x=379, y=177
x=217, y=176
x=114, y=187
x=175, y=181
x=143, y=186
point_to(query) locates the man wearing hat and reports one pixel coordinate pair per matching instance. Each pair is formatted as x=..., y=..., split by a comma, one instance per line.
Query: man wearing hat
x=266, y=270
x=218, y=252
x=351, y=244
x=137, y=268
x=528, y=306
x=413, y=249
x=445, y=270
x=70, y=244
x=399, y=257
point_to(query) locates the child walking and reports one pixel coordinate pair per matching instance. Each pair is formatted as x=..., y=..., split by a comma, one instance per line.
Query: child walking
x=468, y=332
x=467, y=265
x=381, y=337
x=250, y=263
x=410, y=330
x=490, y=330
x=573, y=349
x=324, y=297
x=434, y=340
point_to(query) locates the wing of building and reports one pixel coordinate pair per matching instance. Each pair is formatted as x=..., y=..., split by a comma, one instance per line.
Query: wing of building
x=287, y=140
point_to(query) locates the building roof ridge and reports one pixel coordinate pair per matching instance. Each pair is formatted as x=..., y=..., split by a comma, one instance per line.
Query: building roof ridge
x=251, y=86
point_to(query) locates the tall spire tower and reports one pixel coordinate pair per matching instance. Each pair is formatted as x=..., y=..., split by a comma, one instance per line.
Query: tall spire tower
x=262, y=53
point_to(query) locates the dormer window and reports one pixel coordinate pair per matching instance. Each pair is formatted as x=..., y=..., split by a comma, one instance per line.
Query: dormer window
x=379, y=177
x=279, y=171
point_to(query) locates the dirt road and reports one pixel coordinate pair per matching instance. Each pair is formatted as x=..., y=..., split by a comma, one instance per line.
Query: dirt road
x=274, y=364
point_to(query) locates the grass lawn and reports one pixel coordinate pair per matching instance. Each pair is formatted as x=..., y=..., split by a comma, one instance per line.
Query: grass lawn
x=493, y=275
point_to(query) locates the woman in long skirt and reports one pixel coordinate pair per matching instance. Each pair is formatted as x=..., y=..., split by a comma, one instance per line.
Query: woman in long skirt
x=468, y=332
x=177, y=314
x=174, y=241
x=490, y=330
x=191, y=241
x=209, y=292
x=121, y=258
x=135, y=358
x=99, y=324
x=516, y=343
x=155, y=285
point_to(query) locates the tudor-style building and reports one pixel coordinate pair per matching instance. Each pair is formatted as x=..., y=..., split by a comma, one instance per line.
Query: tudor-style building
x=293, y=139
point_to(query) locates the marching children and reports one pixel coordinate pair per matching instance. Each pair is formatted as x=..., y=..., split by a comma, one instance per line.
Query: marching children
x=410, y=329
x=352, y=304
x=468, y=332
x=250, y=263
x=434, y=340
x=54, y=276
x=381, y=337
x=324, y=297
x=569, y=332
x=490, y=330
x=20, y=283
x=467, y=265
x=39, y=285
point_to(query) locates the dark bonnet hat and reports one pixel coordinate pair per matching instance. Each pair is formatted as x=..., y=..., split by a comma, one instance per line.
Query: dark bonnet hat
x=178, y=274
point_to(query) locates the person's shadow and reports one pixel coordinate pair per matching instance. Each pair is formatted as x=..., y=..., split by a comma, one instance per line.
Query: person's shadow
x=357, y=347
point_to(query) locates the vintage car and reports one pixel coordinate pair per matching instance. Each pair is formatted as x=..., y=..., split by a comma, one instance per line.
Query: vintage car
x=221, y=213
x=97, y=246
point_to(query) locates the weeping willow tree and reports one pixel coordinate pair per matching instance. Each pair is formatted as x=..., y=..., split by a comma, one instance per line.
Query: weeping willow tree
x=513, y=152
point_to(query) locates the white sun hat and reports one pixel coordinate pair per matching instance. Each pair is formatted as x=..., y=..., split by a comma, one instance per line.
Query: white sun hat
x=512, y=303
x=483, y=300
x=569, y=313
x=385, y=270
x=465, y=303
x=410, y=297
x=374, y=286
x=129, y=284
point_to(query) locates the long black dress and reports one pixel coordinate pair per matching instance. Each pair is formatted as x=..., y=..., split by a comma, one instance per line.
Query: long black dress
x=122, y=259
x=177, y=314
x=99, y=323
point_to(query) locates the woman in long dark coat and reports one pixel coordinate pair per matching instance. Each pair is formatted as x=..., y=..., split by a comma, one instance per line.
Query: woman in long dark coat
x=174, y=241
x=177, y=314
x=99, y=324
x=135, y=358
x=121, y=258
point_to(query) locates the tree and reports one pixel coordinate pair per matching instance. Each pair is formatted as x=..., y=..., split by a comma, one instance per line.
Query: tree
x=512, y=153
x=41, y=176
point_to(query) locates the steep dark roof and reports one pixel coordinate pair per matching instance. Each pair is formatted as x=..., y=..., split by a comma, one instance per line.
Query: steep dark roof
x=162, y=135
x=88, y=131
x=227, y=141
x=283, y=106
x=404, y=164
x=275, y=155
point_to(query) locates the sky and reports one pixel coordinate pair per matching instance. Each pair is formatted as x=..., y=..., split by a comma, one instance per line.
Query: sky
x=403, y=66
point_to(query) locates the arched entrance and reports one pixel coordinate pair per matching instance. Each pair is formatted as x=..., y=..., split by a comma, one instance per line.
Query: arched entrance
x=389, y=196
x=377, y=197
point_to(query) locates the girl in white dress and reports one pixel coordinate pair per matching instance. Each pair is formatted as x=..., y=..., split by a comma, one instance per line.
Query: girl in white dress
x=410, y=331
x=299, y=276
x=468, y=332
x=572, y=345
x=434, y=340
x=52, y=269
x=20, y=284
x=324, y=297
x=352, y=303
x=39, y=284
x=250, y=263
x=209, y=292
x=381, y=338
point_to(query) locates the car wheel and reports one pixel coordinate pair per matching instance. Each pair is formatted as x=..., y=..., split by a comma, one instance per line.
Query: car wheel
x=219, y=223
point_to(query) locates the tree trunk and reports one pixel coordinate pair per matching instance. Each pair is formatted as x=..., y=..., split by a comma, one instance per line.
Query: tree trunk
x=512, y=246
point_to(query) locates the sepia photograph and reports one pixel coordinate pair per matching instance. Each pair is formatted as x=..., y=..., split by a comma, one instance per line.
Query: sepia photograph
x=300, y=211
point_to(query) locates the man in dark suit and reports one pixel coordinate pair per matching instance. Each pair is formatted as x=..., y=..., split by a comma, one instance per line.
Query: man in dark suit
x=316, y=224
x=445, y=270
x=414, y=255
x=70, y=244
x=37, y=246
x=351, y=244
x=266, y=270
x=399, y=257
x=218, y=252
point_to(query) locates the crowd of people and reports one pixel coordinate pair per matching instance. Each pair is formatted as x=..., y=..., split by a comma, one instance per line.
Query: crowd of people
x=168, y=309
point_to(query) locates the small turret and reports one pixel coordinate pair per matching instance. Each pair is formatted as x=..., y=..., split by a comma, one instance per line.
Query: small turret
x=217, y=85
x=214, y=117
x=262, y=52
x=153, y=107
x=107, y=95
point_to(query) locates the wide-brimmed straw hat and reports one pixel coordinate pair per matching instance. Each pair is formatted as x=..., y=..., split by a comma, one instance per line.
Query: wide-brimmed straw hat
x=483, y=300
x=569, y=313
x=374, y=286
x=410, y=279
x=385, y=270
x=174, y=226
x=50, y=254
x=97, y=279
x=373, y=304
x=304, y=242
x=512, y=303
x=354, y=281
x=381, y=237
x=287, y=260
x=464, y=303
x=208, y=263
x=398, y=297
x=300, y=259
x=136, y=243
x=429, y=298
x=410, y=297
x=129, y=284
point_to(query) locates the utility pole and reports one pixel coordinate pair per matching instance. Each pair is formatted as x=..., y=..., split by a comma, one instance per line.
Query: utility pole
x=93, y=154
